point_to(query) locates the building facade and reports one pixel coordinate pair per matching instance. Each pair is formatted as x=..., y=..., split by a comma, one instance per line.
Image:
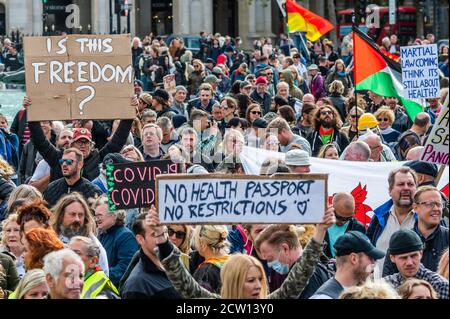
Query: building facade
x=249, y=19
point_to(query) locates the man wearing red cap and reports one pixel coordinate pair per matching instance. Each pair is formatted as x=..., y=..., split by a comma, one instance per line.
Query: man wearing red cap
x=260, y=95
x=82, y=140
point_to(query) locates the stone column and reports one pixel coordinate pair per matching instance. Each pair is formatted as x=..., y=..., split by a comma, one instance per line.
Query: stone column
x=207, y=13
x=100, y=16
x=38, y=9
x=20, y=16
x=259, y=23
x=181, y=17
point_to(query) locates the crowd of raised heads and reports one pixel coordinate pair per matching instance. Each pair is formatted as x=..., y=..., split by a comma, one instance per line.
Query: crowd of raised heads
x=59, y=239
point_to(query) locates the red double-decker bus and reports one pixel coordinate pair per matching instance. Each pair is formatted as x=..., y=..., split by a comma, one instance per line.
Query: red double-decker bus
x=404, y=27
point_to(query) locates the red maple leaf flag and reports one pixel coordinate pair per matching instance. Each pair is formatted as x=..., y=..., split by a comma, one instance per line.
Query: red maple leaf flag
x=360, y=195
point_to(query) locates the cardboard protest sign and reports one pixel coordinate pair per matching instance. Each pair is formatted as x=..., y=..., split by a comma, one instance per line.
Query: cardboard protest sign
x=79, y=77
x=437, y=147
x=133, y=185
x=420, y=76
x=220, y=199
x=169, y=83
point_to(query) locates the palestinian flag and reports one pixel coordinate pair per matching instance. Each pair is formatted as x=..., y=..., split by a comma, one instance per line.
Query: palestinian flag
x=378, y=73
x=300, y=19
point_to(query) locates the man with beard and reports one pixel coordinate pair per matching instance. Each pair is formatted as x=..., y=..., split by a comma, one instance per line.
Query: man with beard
x=189, y=140
x=326, y=124
x=405, y=250
x=355, y=260
x=72, y=217
x=71, y=165
x=41, y=176
x=395, y=214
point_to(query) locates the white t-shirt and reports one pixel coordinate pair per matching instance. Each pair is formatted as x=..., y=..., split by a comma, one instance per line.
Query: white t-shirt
x=42, y=170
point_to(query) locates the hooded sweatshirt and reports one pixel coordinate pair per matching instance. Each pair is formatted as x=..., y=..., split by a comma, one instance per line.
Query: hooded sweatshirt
x=289, y=79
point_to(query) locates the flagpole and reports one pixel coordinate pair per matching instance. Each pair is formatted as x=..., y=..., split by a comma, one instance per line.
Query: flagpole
x=354, y=74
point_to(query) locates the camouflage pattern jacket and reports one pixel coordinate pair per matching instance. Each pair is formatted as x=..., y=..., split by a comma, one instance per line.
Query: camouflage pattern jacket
x=185, y=284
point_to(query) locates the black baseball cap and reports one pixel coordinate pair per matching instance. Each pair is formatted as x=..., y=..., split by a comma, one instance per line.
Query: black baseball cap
x=422, y=167
x=356, y=242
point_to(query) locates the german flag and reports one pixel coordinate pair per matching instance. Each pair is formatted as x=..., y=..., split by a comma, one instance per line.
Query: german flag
x=300, y=19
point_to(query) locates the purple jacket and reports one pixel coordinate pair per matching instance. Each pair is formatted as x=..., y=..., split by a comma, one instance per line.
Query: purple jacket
x=317, y=87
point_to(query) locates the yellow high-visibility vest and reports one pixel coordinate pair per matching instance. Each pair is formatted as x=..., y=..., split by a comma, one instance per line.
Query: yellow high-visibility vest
x=95, y=284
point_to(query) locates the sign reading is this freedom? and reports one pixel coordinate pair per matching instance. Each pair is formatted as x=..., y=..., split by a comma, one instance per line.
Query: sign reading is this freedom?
x=132, y=185
x=220, y=199
x=79, y=77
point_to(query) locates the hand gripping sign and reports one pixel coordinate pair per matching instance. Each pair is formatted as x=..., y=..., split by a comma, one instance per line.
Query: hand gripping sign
x=79, y=77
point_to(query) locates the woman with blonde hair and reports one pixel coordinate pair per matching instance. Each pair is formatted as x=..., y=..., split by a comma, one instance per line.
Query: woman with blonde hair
x=32, y=286
x=26, y=192
x=339, y=72
x=443, y=265
x=181, y=235
x=336, y=91
x=386, y=117
x=210, y=242
x=196, y=76
x=328, y=151
x=11, y=242
x=416, y=289
x=371, y=290
x=6, y=185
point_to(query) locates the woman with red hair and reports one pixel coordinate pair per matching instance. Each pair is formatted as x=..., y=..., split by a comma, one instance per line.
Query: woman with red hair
x=38, y=243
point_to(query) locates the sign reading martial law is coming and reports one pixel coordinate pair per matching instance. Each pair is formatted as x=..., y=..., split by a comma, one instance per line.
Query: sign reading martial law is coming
x=420, y=75
x=219, y=199
x=437, y=147
x=79, y=77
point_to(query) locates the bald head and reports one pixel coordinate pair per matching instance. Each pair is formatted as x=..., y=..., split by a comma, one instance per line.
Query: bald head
x=308, y=98
x=414, y=153
x=344, y=206
x=357, y=151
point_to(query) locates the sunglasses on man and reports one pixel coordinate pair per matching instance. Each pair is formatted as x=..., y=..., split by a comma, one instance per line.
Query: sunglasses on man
x=67, y=161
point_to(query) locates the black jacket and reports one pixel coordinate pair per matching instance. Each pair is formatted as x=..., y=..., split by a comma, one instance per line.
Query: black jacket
x=354, y=224
x=27, y=164
x=146, y=281
x=332, y=288
x=434, y=245
x=59, y=188
x=339, y=139
x=91, y=163
x=265, y=101
x=18, y=126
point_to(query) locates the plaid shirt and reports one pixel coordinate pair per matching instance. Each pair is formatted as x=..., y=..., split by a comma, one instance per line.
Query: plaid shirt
x=439, y=283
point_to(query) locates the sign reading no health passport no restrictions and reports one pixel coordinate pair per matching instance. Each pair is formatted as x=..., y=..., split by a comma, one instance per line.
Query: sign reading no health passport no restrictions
x=220, y=199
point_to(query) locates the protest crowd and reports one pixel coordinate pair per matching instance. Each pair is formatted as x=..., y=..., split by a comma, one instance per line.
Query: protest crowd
x=55, y=211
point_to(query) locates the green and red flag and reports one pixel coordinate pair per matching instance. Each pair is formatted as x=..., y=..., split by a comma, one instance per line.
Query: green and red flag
x=300, y=19
x=376, y=72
